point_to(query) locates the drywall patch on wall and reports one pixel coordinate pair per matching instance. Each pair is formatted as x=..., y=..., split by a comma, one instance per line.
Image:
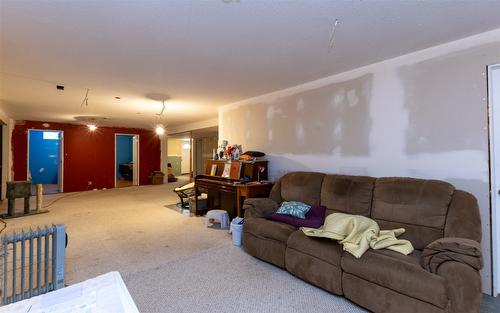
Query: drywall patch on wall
x=416, y=128
x=330, y=119
x=389, y=123
x=285, y=163
x=444, y=96
x=462, y=164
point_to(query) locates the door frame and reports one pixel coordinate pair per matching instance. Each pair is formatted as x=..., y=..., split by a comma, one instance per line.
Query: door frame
x=60, y=172
x=198, y=156
x=135, y=141
x=494, y=126
x=1, y=160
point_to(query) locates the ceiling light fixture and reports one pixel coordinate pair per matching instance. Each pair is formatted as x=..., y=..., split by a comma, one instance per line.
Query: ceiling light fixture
x=92, y=127
x=160, y=130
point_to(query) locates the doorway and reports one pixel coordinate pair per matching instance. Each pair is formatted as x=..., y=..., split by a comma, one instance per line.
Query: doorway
x=494, y=115
x=45, y=151
x=126, y=160
x=189, y=151
x=179, y=154
x=205, y=143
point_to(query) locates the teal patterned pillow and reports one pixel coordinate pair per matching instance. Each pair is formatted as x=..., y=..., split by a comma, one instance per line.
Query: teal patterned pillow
x=294, y=208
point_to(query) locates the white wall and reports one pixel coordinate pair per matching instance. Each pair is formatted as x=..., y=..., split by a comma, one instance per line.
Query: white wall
x=186, y=158
x=192, y=126
x=421, y=115
x=6, y=149
x=163, y=153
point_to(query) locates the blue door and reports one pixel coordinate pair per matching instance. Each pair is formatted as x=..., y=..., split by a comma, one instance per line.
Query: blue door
x=124, y=161
x=44, y=156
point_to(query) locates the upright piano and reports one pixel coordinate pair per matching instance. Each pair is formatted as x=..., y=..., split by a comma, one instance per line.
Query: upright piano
x=223, y=192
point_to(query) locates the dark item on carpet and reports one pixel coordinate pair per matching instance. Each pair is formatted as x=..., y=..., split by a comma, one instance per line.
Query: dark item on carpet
x=18, y=189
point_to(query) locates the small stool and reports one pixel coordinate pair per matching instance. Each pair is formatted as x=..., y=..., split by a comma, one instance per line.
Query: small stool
x=220, y=215
x=18, y=189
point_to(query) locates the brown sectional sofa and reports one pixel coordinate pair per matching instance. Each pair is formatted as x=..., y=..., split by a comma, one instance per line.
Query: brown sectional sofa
x=381, y=280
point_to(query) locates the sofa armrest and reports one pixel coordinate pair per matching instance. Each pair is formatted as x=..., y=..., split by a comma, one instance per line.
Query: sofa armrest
x=461, y=250
x=463, y=285
x=259, y=207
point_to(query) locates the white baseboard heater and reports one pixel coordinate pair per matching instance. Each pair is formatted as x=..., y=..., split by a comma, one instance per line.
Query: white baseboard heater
x=33, y=262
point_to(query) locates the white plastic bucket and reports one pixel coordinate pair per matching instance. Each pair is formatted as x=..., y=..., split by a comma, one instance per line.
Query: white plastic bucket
x=236, y=229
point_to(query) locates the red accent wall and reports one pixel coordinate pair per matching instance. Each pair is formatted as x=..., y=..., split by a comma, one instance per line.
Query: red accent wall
x=88, y=156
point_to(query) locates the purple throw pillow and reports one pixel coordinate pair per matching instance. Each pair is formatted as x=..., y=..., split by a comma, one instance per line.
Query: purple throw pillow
x=315, y=218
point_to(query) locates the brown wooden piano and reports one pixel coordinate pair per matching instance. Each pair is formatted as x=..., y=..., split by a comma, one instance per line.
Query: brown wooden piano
x=226, y=193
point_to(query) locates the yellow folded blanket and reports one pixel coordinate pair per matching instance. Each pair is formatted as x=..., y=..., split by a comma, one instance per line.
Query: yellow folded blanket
x=358, y=233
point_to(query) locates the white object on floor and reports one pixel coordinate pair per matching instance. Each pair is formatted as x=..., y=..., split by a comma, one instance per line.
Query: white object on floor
x=186, y=212
x=236, y=229
x=104, y=293
x=220, y=215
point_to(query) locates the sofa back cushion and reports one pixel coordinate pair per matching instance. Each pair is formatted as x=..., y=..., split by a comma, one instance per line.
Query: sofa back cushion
x=420, y=206
x=301, y=186
x=347, y=194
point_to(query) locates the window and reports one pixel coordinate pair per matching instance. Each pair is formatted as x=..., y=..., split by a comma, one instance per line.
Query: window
x=50, y=135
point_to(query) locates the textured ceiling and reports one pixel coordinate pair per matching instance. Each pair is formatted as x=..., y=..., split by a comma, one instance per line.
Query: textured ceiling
x=201, y=54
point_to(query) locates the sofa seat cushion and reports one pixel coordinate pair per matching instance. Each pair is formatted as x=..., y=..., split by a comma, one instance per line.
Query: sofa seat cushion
x=267, y=229
x=400, y=273
x=324, y=249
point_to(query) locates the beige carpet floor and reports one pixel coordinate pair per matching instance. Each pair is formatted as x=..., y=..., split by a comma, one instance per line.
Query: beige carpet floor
x=126, y=229
x=225, y=279
x=170, y=262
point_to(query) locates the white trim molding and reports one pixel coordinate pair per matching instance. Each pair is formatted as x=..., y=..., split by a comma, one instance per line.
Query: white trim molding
x=494, y=132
